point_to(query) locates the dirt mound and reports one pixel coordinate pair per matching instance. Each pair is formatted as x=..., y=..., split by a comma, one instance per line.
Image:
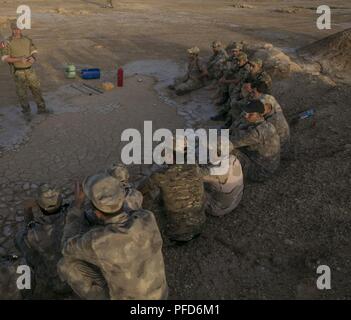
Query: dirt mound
x=276, y=62
x=332, y=53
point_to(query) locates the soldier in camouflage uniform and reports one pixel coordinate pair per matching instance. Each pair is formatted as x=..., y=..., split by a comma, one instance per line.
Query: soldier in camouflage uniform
x=120, y=257
x=257, y=74
x=20, y=53
x=178, y=190
x=213, y=66
x=40, y=241
x=234, y=87
x=229, y=69
x=193, y=79
x=223, y=192
x=273, y=113
x=258, y=145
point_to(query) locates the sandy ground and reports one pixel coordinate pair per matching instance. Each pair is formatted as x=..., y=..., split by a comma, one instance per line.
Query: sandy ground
x=272, y=244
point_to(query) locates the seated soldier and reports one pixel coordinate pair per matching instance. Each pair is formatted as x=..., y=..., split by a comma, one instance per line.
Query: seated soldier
x=118, y=258
x=230, y=68
x=177, y=189
x=223, y=192
x=134, y=198
x=193, y=79
x=273, y=112
x=39, y=241
x=234, y=87
x=213, y=66
x=257, y=75
x=258, y=145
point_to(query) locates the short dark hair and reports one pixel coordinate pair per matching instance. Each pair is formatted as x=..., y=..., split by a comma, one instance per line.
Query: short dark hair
x=260, y=86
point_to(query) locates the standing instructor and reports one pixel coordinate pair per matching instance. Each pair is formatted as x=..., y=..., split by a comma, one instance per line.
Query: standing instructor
x=20, y=52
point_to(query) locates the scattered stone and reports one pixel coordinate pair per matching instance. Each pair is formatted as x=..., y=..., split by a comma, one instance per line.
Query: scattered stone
x=242, y=5
x=19, y=218
x=26, y=186
x=33, y=186
x=7, y=231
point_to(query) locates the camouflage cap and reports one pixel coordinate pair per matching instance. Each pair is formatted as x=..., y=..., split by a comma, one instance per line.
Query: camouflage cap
x=48, y=198
x=119, y=171
x=234, y=46
x=242, y=56
x=216, y=44
x=134, y=200
x=105, y=192
x=257, y=61
x=193, y=50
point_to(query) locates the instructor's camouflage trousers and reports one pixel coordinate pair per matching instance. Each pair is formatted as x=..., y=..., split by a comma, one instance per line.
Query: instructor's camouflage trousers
x=28, y=79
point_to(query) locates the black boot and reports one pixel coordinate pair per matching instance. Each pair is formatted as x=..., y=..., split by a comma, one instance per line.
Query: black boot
x=25, y=109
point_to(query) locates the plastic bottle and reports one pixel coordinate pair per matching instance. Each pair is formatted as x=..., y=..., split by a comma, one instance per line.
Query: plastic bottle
x=120, y=77
x=90, y=73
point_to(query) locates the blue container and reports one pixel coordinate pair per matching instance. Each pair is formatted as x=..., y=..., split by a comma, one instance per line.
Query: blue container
x=90, y=73
x=307, y=114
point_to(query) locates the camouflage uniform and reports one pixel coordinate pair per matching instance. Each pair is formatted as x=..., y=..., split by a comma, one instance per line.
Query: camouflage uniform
x=224, y=193
x=116, y=256
x=277, y=119
x=180, y=187
x=40, y=244
x=120, y=258
x=191, y=81
x=24, y=75
x=262, y=77
x=241, y=75
x=214, y=64
x=8, y=279
x=258, y=149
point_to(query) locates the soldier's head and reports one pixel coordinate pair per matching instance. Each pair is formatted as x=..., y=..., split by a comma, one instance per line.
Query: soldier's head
x=242, y=58
x=253, y=111
x=258, y=89
x=49, y=199
x=255, y=66
x=234, y=48
x=120, y=172
x=216, y=46
x=105, y=193
x=246, y=90
x=193, y=53
x=16, y=32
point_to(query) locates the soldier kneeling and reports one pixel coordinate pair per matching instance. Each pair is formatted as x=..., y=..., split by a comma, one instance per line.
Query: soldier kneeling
x=39, y=241
x=118, y=257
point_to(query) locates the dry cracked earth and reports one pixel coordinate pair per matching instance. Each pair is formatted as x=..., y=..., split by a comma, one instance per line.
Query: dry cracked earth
x=270, y=247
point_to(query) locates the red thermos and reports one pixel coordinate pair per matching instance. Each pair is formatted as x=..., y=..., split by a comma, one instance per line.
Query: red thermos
x=120, y=77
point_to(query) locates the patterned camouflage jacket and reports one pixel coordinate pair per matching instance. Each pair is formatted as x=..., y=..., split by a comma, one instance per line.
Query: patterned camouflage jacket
x=40, y=243
x=180, y=189
x=262, y=77
x=215, y=62
x=120, y=258
x=241, y=75
x=277, y=118
x=260, y=143
x=194, y=69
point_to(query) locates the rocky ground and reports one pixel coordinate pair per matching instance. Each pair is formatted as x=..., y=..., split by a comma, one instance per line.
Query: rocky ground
x=272, y=244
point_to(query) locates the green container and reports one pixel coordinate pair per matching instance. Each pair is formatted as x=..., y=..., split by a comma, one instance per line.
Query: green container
x=71, y=71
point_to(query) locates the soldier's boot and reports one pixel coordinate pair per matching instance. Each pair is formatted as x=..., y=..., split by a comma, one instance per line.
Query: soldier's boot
x=42, y=109
x=25, y=109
